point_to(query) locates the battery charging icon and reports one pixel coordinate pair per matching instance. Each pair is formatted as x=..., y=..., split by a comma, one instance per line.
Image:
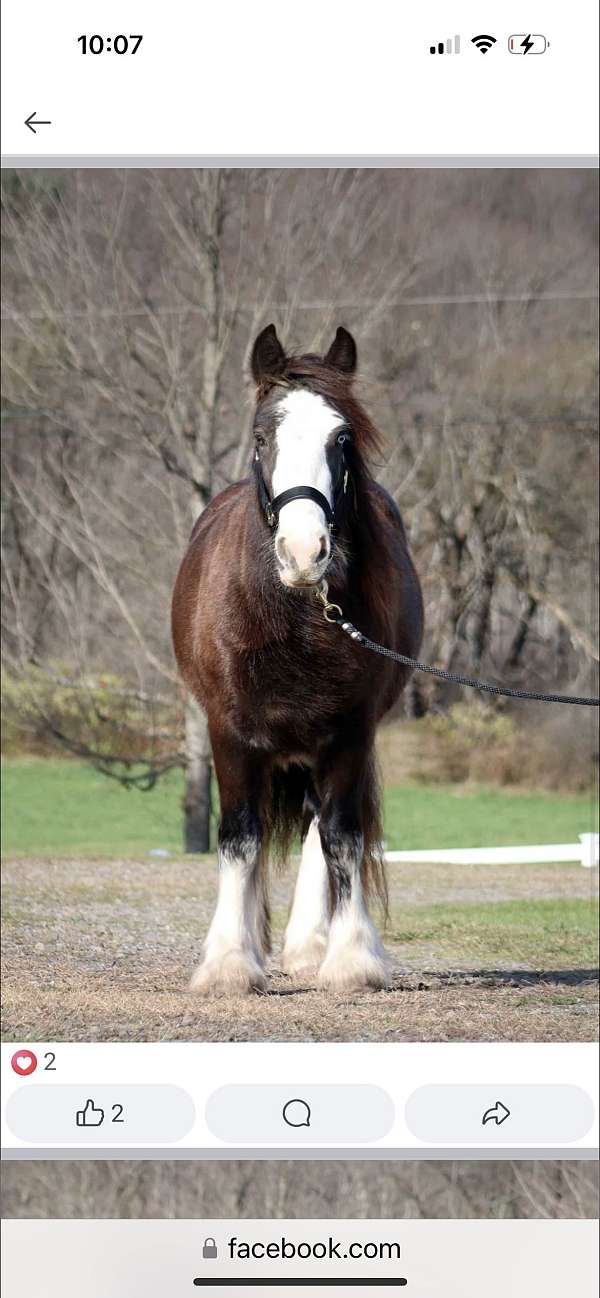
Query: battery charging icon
x=523, y=44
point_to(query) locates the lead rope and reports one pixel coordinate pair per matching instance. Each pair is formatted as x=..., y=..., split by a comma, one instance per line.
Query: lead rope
x=333, y=613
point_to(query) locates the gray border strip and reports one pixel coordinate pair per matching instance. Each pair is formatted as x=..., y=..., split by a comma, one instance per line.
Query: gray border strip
x=308, y=160
x=336, y=1154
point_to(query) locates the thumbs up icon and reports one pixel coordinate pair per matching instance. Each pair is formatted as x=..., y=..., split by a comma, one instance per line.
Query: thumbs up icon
x=90, y=1116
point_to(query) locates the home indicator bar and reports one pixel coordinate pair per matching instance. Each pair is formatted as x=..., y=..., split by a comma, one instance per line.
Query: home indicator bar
x=307, y=1283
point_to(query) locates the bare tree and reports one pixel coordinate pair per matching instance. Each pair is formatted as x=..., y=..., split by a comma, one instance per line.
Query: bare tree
x=280, y=1190
x=132, y=300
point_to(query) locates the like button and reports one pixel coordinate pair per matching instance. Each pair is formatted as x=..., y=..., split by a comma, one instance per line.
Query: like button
x=90, y=1116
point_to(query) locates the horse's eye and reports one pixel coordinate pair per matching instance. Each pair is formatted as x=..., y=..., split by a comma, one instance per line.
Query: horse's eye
x=342, y=437
x=260, y=441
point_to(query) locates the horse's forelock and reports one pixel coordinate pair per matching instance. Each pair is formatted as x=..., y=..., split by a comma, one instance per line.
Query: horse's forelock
x=335, y=387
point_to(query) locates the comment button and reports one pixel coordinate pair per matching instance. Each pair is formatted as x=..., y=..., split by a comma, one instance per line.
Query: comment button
x=318, y=1114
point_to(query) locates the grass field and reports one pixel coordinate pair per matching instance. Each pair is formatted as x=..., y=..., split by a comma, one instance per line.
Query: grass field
x=100, y=937
x=58, y=808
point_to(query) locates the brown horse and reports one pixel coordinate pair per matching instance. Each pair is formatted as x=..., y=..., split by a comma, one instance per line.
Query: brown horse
x=292, y=702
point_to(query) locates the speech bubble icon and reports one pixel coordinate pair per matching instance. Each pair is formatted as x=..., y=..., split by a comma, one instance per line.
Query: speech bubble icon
x=296, y=1113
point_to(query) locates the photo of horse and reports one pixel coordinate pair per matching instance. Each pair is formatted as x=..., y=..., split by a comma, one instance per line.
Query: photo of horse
x=269, y=436
x=292, y=711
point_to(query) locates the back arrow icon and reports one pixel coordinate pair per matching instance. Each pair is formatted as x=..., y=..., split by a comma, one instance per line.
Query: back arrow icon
x=498, y=1114
x=32, y=121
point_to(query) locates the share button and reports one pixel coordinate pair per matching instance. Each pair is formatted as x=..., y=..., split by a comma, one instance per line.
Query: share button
x=495, y=1115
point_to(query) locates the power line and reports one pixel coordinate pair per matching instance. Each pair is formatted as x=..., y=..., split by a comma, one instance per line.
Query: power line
x=342, y=305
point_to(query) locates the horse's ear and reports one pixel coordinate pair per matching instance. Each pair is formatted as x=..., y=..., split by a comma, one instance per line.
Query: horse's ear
x=268, y=357
x=342, y=353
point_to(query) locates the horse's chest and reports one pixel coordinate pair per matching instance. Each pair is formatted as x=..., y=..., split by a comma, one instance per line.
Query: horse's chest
x=284, y=695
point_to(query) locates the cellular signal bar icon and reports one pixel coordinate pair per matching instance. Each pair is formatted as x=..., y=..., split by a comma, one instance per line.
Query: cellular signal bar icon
x=448, y=46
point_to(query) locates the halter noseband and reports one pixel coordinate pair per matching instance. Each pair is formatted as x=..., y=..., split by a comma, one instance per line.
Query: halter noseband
x=272, y=507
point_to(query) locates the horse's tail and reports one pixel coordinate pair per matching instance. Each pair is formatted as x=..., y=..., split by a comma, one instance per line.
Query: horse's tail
x=373, y=875
x=283, y=812
x=289, y=805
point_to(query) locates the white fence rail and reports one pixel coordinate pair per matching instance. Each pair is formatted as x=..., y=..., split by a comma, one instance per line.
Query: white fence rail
x=585, y=852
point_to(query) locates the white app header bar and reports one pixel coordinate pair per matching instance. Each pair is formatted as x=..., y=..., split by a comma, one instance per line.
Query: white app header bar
x=335, y=79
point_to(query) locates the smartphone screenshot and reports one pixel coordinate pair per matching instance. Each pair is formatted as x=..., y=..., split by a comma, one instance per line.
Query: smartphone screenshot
x=299, y=649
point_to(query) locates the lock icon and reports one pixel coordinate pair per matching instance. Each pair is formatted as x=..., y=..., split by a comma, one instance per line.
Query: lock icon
x=209, y=1249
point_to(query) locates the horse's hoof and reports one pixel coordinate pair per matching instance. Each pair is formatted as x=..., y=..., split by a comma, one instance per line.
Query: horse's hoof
x=354, y=969
x=234, y=974
x=304, y=959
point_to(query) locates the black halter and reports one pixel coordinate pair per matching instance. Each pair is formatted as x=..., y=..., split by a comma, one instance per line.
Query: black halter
x=272, y=507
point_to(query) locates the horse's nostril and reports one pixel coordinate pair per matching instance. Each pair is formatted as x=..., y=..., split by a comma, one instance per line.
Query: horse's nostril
x=281, y=550
x=301, y=554
x=323, y=549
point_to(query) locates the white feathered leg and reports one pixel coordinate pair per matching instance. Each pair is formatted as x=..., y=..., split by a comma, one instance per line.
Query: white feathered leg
x=308, y=925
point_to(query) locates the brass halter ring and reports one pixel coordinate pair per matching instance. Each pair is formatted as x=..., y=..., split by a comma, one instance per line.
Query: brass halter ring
x=321, y=594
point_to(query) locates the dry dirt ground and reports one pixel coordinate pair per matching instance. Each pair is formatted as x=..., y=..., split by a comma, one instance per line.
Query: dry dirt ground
x=103, y=950
x=285, y=1190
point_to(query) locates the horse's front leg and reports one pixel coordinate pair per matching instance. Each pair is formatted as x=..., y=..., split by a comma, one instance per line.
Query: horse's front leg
x=238, y=940
x=355, y=957
x=308, y=925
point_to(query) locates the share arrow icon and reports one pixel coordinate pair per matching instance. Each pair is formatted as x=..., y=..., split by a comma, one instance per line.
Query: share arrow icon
x=498, y=1114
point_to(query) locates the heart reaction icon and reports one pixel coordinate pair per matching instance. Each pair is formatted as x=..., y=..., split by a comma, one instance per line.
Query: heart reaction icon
x=24, y=1062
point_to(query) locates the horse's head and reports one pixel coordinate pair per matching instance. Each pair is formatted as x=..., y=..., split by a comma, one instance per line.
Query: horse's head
x=302, y=433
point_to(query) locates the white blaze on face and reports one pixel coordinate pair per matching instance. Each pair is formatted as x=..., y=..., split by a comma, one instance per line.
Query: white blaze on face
x=306, y=424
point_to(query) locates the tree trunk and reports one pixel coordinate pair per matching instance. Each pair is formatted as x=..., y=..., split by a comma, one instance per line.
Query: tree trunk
x=415, y=700
x=197, y=798
x=480, y=628
x=520, y=638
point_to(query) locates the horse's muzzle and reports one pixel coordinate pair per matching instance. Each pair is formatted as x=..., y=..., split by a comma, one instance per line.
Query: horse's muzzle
x=302, y=560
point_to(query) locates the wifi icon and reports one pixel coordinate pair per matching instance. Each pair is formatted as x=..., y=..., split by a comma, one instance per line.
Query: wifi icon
x=484, y=43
